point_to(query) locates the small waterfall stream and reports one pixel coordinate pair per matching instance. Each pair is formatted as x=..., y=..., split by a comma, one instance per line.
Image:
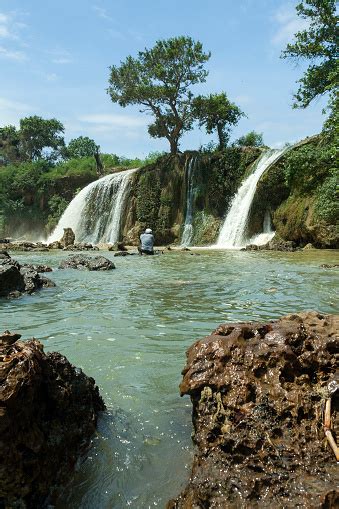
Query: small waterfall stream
x=267, y=232
x=232, y=234
x=188, y=226
x=95, y=213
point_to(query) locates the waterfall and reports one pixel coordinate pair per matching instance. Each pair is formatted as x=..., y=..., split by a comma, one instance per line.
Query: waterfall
x=233, y=231
x=188, y=226
x=267, y=232
x=95, y=213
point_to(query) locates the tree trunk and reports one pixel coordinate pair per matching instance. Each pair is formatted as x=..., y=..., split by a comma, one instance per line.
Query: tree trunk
x=221, y=136
x=98, y=163
x=174, y=145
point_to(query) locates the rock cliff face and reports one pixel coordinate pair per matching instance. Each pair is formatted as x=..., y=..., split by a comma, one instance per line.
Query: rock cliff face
x=299, y=191
x=159, y=191
x=258, y=392
x=48, y=412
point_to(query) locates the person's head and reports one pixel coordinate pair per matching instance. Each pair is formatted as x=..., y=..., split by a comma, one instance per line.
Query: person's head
x=148, y=230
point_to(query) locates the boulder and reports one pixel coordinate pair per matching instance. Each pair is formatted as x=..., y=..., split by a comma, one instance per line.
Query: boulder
x=258, y=391
x=68, y=237
x=48, y=413
x=16, y=279
x=55, y=245
x=87, y=262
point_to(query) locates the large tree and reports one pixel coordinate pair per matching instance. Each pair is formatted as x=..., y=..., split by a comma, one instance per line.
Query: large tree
x=40, y=137
x=217, y=113
x=85, y=147
x=9, y=145
x=160, y=80
x=318, y=43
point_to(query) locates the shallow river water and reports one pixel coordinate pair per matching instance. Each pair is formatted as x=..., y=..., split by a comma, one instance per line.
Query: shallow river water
x=129, y=328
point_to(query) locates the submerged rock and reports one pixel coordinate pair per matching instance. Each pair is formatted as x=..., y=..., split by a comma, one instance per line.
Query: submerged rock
x=16, y=279
x=48, y=412
x=258, y=391
x=87, y=262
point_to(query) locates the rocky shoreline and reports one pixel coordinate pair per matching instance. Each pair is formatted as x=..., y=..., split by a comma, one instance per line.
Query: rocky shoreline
x=48, y=413
x=259, y=393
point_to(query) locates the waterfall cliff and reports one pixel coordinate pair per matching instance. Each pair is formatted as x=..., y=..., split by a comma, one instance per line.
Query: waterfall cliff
x=95, y=214
x=233, y=231
x=188, y=226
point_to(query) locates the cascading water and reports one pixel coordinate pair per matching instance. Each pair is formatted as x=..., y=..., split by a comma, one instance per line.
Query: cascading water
x=232, y=234
x=95, y=213
x=267, y=232
x=188, y=226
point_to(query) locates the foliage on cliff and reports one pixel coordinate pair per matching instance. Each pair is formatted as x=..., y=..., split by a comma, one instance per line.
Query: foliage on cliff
x=300, y=192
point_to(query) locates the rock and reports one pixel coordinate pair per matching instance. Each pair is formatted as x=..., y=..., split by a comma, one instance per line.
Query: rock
x=38, y=268
x=68, y=237
x=258, y=391
x=328, y=266
x=121, y=253
x=4, y=255
x=48, y=413
x=276, y=244
x=87, y=262
x=81, y=246
x=308, y=247
x=55, y=245
x=16, y=279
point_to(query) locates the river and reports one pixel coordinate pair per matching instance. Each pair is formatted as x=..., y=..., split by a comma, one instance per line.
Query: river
x=129, y=328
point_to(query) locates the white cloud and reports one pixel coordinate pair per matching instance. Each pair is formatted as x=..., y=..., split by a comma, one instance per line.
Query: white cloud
x=12, y=54
x=114, y=121
x=289, y=23
x=62, y=60
x=101, y=12
x=51, y=76
x=12, y=111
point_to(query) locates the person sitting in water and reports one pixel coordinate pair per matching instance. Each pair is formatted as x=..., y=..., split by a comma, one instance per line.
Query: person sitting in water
x=146, y=242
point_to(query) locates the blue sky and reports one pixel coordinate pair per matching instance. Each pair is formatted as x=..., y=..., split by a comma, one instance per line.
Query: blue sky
x=55, y=57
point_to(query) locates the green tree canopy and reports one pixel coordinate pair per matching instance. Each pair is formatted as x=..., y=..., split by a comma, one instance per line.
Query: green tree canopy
x=40, y=137
x=160, y=80
x=251, y=139
x=319, y=44
x=9, y=145
x=82, y=147
x=85, y=147
x=217, y=113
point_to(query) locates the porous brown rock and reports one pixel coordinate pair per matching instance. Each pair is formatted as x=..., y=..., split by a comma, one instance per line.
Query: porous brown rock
x=48, y=412
x=258, y=392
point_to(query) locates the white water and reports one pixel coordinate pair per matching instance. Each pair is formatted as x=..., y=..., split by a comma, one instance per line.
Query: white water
x=232, y=234
x=188, y=227
x=95, y=213
x=267, y=234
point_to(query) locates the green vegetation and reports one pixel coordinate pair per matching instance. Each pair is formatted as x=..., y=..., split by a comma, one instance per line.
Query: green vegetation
x=216, y=113
x=319, y=45
x=160, y=80
x=36, y=139
x=251, y=139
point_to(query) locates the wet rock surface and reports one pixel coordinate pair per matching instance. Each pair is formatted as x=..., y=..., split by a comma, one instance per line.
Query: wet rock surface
x=17, y=279
x=48, y=412
x=68, y=237
x=274, y=245
x=87, y=262
x=258, y=392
